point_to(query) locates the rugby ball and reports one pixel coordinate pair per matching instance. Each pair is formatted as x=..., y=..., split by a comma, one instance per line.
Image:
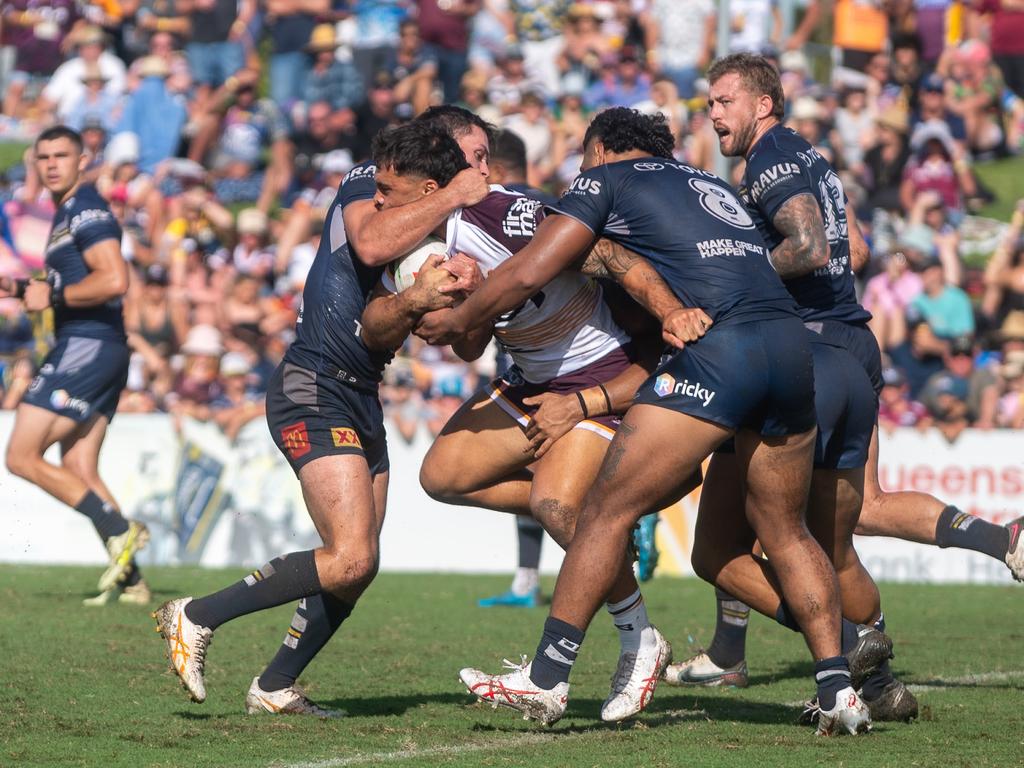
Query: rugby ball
x=405, y=269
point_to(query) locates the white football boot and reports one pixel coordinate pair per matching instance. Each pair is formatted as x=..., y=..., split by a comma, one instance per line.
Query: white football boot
x=635, y=679
x=136, y=594
x=186, y=645
x=517, y=691
x=849, y=715
x=287, y=701
x=1015, y=554
x=701, y=670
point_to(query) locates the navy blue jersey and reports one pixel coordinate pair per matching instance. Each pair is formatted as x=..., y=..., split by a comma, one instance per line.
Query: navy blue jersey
x=533, y=193
x=780, y=166
x=80, y=222
x=328, y=334
x=689, y=224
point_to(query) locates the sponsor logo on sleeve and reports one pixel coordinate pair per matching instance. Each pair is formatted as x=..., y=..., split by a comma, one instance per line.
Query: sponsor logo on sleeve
x=295, y=439
x=344, y=437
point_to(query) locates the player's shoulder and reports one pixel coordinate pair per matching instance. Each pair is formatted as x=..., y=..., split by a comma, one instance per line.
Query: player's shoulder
x=87, y=196
x=87, y=207
x=361, y=172
x=505, y=215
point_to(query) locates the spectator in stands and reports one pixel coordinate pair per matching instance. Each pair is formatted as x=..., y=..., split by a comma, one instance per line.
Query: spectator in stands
x=508, y=166
x=945, y=308
x=854, y=128
x=154, y=18
x=936, y=165
x=289, y=24
x=197, y=385
x=505, y=90
x=444, y=27
x=1004, y=275
x=1006, y=33
x=895, y=408
x=974, y=89
x=36, y=30
x=331, y=80
x=66, y=89
x=882, y=175
x=307, y=150
x=253, y=255
x=377, y=113
x=622, y=83
x=931, y=106
x=676, y=35
x=579, y=63
x=154, y=114
x=920, y=355
x=537, y=25
x=962, y=395
x=215, y=50
x=887, y=296
x=412, y=71
x=376, y=38
x=96, y=104
x=238, y=402
x=532, y=125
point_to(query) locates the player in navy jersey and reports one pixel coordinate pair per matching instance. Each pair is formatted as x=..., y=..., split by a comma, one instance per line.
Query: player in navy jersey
x=325, y=416
x=748, y=376
x=799, y=204
x=74, y=397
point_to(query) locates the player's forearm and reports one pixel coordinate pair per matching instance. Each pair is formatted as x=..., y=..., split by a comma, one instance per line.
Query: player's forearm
x=616, y=395
x=473, y=344
x=381, y=236
x=804, y=247
x=634, y=273
x=388, y=321
x=860, y=253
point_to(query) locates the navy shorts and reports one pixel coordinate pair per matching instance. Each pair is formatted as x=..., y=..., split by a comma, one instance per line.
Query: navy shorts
x=312, y=415
x=846, y=405
x=510, y=390
x=80, y=378
x=859, y=341
x=755, y=375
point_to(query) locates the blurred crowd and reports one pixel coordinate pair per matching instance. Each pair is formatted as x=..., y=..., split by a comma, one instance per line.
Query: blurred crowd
x=221, y=129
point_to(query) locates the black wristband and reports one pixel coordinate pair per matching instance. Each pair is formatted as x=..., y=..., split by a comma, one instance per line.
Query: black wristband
x=57, y=296
x=583, y=404
x=607, y=399
x=19, y=287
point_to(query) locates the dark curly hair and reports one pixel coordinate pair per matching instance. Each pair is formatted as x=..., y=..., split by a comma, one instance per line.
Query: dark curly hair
x=622, y=130
x=420, y=149
x=758, y=74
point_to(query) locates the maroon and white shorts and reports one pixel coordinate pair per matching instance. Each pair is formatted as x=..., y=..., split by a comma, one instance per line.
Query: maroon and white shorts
x=510, y=390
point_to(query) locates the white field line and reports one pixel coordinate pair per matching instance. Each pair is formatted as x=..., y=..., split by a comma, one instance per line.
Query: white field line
x=414, y=753
x=946, y=683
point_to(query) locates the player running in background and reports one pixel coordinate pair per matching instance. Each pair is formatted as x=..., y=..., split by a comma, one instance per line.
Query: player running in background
x=74, y=397
x=749, y=376
x=325, y=416
x=799, y=205
x=574, y=372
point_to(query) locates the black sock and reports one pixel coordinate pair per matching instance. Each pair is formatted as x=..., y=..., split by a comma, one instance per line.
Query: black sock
x=315, y=621
x=832, y=675
x=556, y=653
x=280, y=581
x=785, y=618
x=134, y=575
x=729, y=646
x=530, y=535
x=848, y=638
x=105, y=519
x=876, y=682
x=964, y=531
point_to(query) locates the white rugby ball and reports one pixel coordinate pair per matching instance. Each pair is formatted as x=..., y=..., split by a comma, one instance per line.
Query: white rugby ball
x=406, y=268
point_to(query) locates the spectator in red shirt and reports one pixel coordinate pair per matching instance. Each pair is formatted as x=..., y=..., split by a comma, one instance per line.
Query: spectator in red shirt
x=1006, y=30
x=444, y=27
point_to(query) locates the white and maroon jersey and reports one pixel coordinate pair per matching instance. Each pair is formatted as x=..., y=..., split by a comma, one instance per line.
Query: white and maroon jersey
x=564, y=326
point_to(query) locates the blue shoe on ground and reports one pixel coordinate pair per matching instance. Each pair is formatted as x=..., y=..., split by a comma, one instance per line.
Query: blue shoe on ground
x=646, y=546
x=509, y=599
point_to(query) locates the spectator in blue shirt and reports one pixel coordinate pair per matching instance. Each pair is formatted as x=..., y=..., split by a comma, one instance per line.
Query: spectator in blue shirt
x=945, y=308
x=336, y=82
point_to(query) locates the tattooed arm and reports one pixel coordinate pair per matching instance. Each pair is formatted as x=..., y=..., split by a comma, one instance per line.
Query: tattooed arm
x=634, y=273
x=804, y=247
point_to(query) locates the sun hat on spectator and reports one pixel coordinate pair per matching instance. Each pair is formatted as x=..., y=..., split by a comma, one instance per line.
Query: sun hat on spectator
x=1012, y=328
x=93, y=73
x=806, y=108
x=156, y=274
x=153, y=66
x=794, y=61
x=251, y=221
x=895, y=118
x=203, y=340
x=122, y=149
x=932, y=130
x=93, y=123
x=234, y=364
x=323, y=38
x=337, y=161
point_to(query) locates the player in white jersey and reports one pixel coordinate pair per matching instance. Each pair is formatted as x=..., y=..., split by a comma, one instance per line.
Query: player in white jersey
x=531, y=442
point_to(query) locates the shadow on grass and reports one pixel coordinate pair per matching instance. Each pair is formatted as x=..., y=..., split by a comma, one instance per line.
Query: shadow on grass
x=377, y=706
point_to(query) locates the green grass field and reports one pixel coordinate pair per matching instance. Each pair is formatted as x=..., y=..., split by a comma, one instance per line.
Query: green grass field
x=90, y=687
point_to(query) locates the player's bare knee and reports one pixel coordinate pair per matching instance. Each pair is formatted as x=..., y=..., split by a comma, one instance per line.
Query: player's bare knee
x=437, y=483
x=348, y=568
x=558, y=518
x=21, y=464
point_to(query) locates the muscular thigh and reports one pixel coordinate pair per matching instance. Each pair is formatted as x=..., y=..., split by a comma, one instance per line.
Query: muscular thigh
x=339, y=492
x=721, y=518
x=479, y=445
x=652, y=459
x=566, y=472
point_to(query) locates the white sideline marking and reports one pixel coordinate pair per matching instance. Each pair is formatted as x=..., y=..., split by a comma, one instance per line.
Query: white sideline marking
x=946, y=683
x=522, y=740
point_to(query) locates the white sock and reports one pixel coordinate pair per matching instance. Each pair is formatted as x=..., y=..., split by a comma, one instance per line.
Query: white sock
x=525, y=581
x=630, y=618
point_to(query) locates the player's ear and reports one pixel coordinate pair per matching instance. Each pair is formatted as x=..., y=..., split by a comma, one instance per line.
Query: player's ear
x=83, y=160
x=429, y=187
x=765, y=105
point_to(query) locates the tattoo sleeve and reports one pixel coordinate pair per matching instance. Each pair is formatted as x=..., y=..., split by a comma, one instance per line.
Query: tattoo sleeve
x=804, y=247
x=634, y=273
